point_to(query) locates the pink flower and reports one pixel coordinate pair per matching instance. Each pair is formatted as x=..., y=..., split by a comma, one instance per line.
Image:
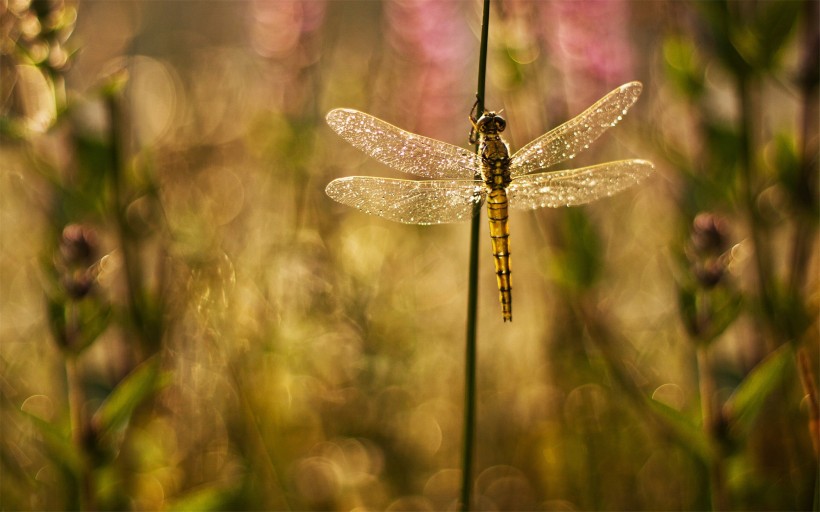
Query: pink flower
x=433, y=65
x=588, y=41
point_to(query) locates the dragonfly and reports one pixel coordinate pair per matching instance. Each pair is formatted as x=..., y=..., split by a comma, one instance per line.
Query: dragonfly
x=458, y=181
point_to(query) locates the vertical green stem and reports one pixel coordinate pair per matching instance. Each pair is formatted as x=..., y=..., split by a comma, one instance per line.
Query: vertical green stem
x=708, y=414
x=143, y=325
x=78, y=431
x=472, y=298
x=117, y=177
x=804, y=239
x=762, y=258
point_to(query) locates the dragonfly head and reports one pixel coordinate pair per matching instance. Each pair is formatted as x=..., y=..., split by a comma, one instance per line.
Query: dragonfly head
x=490, y=123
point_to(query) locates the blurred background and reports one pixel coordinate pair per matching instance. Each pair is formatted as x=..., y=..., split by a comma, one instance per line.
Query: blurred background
x=188, y=322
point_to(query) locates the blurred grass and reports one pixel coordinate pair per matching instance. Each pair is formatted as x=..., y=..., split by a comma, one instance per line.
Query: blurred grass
x=246, y=343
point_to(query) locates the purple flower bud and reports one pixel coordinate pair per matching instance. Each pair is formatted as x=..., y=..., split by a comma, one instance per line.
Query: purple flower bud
x=708, y=249
x=76, y=260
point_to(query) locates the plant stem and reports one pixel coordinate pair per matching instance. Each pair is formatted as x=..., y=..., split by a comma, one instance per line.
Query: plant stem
x=147, y=336
x=708, y=413
x=472, y=297
x=748, y=175
x=79, y=428
x=804, y=239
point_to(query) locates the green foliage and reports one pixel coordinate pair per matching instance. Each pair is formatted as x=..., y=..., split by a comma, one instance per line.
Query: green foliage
x=133, y=391
x=207, y=331
x=684, y=431
x=202, y=500
x=76, y=326
x=576, y=264
x=707, y=315
x=684, y=67
x=750, y=397
x=748, y=37
x=57, y=444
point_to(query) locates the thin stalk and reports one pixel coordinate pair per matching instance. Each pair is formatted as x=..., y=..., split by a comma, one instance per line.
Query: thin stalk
x=132, y=271
x=803, y=241
x=708, y=413
x=762, y=258
x=117, y=177
x=79, y=428
x=472, y=297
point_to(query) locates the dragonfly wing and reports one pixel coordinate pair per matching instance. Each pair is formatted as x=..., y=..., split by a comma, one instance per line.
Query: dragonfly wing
x=407, y=201
x=578, y=186
x=402, y=150
x=577, y=134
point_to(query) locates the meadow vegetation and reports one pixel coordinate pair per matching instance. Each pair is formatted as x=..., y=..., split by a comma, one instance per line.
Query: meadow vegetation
x=188, y=322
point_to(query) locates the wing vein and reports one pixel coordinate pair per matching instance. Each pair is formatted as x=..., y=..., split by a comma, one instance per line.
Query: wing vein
x=566, y=140
x=402, y=150
x=577, y=186
x=409, y=201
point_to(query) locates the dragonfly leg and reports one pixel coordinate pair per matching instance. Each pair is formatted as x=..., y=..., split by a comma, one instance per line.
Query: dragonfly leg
x=473, y=116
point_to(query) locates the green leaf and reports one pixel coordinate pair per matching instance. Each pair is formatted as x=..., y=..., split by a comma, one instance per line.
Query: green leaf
x=55, y=310
x=684, y=67
x=57, y=444
x=791, y=173
x=93, y=167
x=686, y=432
x=207, y=498
x=130, y=393
x=688, y=309
x=90, y=316
x=576, y=263
x=774, y=24
x=726, y=305
x=749, y=37
x=95, y=316
x=751, y=395
x=707, y=314
x=723, y=154
x=721, y=20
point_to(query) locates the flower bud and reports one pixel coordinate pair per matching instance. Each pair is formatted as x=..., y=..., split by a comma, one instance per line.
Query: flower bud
x=708, y=249
x=76, y=260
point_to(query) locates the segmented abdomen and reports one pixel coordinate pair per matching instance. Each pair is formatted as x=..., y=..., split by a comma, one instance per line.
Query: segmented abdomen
x=500, y=236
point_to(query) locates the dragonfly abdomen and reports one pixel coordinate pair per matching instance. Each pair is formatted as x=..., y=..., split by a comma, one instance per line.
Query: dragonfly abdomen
x=500, y=237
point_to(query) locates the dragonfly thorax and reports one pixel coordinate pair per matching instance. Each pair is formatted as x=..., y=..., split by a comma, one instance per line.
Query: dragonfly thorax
x=488, y=124
x=495, y=154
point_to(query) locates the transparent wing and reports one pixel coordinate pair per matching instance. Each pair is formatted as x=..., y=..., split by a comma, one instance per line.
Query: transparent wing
x=578, y=186
x=407, y=201
x=402, y=150
x=577, y=134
